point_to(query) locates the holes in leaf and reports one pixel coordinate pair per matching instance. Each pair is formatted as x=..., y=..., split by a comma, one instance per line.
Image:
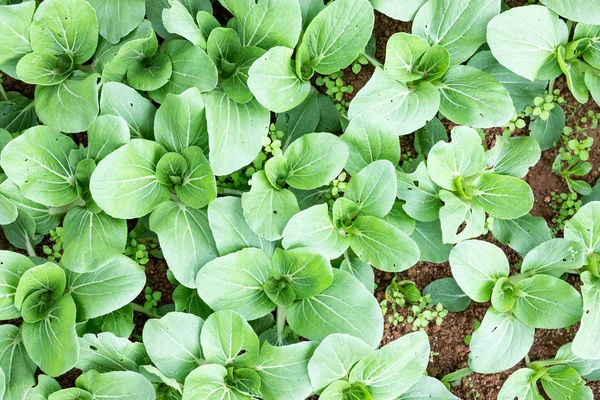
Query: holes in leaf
x=93, y=348
x=275, y=212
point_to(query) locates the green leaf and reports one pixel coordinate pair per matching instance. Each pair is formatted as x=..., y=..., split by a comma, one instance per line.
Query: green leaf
x=125, y=185
x=334, y=358
x=395, y=368
x=314, y=160
x=65, y=27
x=107, y=352
x=428, y=387
x=329, y=119
x=234, y=131
x=38, y=290
x=37, y=161
x=586, y=11
x=235, y=282
x=521, y=234
x=180, y=121
x=173, y=343
x=88, y=237
x=370, y=139
x=476, y=266
x=373, y=189
x=266, y=24
x=116, y=19
x=435, y=62
x=344, y=307
x=150, y=73
x=402, y=56
x=14, y=265
x=14, y=40
x=502, y=196
x=15, y=361
x=43, y=217
x=524, y=40
x=546, y=302
x=266, y=209
x=178, y=20
x=236, y=85
x=107, y=134
x=45, y=387
x=338, y=35
x=447, y=292
x=118, y=385
x=123, y=52
x=406, y=109
x=499, y=343
x=307, y=270
x=18, y=113
x=52, y=342
x=520, y=385
x=390, y=8
x=191, y=67
x=187, y=299
x=575, y=77
x=283, y=371
x=420, y=194
x=118, y=322
x=21, y=232
x=115, y=283
x=198, y=187
x=121, y=100
x=314, y=228
x=71, y=106
x=503, y=298
x=154, y=12
x=472, y=97
x=360, y=270
x=187, y=242
x=581, y=227
x=273, y=80
x=383, y=245
x=227, y=339
x=8, y=211
x=208, y=382
x=229, y=227
x=562, y=381
x=548, y=132
x=400, y=219
x=554, y=257
x=428, y=236
x=587, y=368
x=592, y=52
x=45, y=69
x=521, y=89
x=462, y=158
x=513, y=155
x=459, y=26
x=584, y=343
x=458, y=220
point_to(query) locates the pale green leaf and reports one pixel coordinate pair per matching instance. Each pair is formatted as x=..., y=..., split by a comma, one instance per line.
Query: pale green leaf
x=118, y=18
x=234, y=131
x=15, y=362
x=502, y=196
x=14, y=39
x=14, y=266
x=403, y=53
x=118, y=99
x=344, y=307
x=106, y=352
x=37, y=162
x=525, y=39
x=499, y=343
x=369, y=139
x=65, y=27
x=587, y=11
x=115, y=283
x=406, y=109
x=187, y=242
x=472, y=97
x=273, y=80
x=585, y=345
x=520, y=385
x=513, y=155
x=125, y=185
x=235, y=282
x=476, y=266
x=173, y=343
x=118, y=385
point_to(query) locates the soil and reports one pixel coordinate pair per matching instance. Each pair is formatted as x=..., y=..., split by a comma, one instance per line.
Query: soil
x=449, y=350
